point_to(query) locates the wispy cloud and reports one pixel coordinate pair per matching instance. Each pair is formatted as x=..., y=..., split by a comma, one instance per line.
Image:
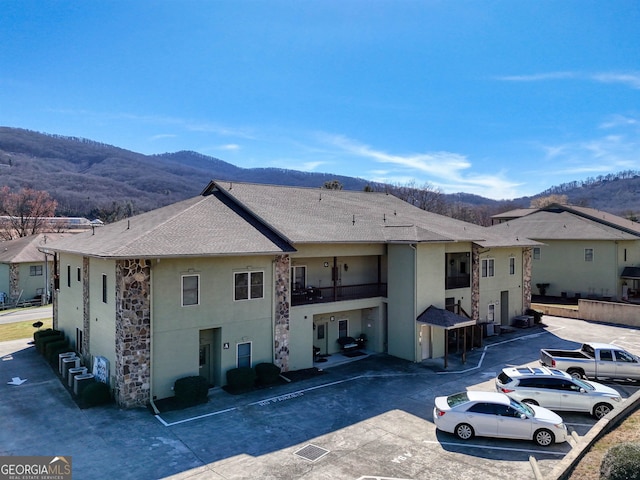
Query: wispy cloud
x=630, y=79
x=162, y=136
x=445, y=170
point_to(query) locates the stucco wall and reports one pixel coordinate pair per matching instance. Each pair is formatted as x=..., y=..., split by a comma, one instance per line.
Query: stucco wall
x=610, y=312
x=402, y=302
x=562, y=264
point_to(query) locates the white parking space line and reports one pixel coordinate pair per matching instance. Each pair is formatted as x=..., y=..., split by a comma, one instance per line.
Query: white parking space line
x=487, y=447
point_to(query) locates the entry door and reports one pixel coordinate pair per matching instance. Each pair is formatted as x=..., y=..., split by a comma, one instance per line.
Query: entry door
x=504, y=307
x=425, y=341
x=320, y=337
x=205, y=362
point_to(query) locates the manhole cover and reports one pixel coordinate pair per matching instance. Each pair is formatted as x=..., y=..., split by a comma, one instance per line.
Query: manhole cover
x=311, y=453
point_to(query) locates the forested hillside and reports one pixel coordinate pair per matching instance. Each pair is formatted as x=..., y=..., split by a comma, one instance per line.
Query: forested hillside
x=96, y=180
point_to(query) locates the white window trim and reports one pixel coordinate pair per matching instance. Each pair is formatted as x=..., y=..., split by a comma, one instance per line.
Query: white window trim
x=293, y=275
x=182, y=277
x=491, y=312
x=483, y=269
x=249, y=297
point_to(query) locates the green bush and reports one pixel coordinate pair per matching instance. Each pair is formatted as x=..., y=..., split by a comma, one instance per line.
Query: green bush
x=42, y=341
x=191, y=390
x=241, y=379
x=44, y=333
x=267, y=373
x=621, y=462
x=96, y=393
x=51, y=349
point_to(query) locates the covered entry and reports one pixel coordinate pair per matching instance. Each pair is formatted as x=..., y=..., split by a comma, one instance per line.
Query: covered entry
x=631, y=283
x=446, y=325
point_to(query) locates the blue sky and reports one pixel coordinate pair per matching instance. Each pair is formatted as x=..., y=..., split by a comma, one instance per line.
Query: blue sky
x=496, y=98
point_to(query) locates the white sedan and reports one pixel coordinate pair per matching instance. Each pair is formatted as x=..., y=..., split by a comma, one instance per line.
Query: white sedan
x=493, y=414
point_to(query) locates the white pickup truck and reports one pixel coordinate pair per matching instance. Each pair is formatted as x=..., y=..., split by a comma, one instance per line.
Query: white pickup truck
x=594, y=360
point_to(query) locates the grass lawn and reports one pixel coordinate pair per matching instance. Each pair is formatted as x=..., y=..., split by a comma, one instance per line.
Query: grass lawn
x=589, y=466
x=20, y=330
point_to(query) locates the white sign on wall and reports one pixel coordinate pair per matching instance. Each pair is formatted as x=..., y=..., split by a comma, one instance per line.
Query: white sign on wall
x=101, y=369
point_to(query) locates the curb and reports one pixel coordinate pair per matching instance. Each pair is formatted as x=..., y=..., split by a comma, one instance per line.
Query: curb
x=584, y=444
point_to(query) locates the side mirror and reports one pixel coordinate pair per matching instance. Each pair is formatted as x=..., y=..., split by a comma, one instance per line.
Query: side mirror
x=523, y=416
x=582, y=390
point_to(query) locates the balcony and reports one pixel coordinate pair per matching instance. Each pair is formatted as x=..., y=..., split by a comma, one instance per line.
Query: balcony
x=458, y=281
x=313, y=295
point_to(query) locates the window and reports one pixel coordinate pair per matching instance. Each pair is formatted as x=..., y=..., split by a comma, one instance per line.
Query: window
x=248, y=285
x=343, y=328
x=492, y=312
x=606, y=356
x=104, y=288
x=68, y=275
x=512, y=266
x=190, y=290
x=321, y=331
x=536, y=253
x=485, y=408
x=488, y=267
x=35, y=270
x=588, y=254
x=298, y=278
x=624, y=357
x=244, y=354
x=79, y=274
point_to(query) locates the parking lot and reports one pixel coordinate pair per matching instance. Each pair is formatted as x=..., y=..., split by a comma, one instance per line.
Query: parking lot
x=371, y=418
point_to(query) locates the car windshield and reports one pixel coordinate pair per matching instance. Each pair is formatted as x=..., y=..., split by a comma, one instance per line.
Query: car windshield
x=457, y=399
x=583, y=384
x=522, y=407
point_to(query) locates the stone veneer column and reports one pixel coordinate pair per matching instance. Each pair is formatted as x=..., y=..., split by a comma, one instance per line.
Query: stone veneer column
x=86, y=313
x=14, y=281
x=527, y=256
x=133, y=332
x=475, y=282
x=282, y=282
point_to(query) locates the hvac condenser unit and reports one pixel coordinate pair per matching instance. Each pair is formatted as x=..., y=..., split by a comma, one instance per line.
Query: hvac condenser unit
x=61, y=356
x=80, y=382
x=67, y=363
x=73, y=372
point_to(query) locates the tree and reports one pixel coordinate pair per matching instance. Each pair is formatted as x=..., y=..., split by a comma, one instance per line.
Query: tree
x=332, y=185
x=25, y=212
x=542, y=202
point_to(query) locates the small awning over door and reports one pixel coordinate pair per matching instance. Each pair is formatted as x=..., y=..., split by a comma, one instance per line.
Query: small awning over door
x=631, y=272
x=446, y=320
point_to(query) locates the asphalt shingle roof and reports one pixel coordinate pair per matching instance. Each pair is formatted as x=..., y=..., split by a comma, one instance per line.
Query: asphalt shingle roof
x=557, y=224
x=25, y=249
x=245, y=219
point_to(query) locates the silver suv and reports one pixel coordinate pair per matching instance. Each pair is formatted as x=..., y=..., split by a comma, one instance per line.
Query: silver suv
x=557, y=390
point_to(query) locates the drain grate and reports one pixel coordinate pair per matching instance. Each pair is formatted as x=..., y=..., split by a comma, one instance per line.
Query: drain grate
x=311, y=452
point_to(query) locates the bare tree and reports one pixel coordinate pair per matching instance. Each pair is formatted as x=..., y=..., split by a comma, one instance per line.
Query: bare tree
x=542, y=202
x=25, y=212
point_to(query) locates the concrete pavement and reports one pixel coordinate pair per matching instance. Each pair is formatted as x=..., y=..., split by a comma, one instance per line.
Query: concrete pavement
x=366, y=419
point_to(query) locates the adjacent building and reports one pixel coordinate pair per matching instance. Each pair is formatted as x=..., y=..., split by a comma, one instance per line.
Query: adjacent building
x=585, y=253
x=248, y=273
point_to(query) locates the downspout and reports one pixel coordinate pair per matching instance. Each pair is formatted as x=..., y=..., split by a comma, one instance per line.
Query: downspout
x=153, y=405
x=274, y=292
x=415, y=300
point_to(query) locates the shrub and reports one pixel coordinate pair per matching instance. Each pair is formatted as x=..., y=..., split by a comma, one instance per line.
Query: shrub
x=96, y=393
x=267, y=373
x=42, y=341
x=241, y=379
x=621, y=462
x=44, y=333
x=52, y=347
x=191, y=390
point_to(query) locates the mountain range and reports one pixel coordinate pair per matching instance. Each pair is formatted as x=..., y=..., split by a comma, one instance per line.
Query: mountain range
x=87, y=177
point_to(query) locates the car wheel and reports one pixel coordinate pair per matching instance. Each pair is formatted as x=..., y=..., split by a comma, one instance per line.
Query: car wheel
x=543, y=437
x=576, y=373
x=530, y=401
x=600, y=410
x=464, y=431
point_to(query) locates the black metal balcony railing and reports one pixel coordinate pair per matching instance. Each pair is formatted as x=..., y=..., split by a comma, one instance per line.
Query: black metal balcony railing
x=458, y=281
x=338, y=293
